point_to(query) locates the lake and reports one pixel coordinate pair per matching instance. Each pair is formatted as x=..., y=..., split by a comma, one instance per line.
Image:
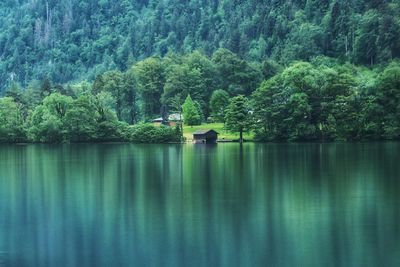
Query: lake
x=200, y=205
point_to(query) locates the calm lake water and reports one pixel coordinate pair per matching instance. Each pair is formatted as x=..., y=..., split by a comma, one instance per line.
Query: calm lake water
x=197, y=205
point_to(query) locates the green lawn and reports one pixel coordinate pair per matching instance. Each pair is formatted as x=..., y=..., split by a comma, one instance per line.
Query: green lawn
x=219, y=127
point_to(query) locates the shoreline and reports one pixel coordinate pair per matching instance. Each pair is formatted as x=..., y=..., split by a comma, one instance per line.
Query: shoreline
x=191, y=143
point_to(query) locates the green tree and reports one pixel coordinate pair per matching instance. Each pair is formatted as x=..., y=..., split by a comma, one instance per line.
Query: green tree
x=389, y=98
x=150, y=76
x=46, y=123
x=46, y=87
x=44, y=126
x=183, y=80
x=298, y=123
x=131, y=98
x=270, y=68
x=114, y=83
x=237, y=116
x=270, y=110
x=11, y=121
x=176, y=107
x=218, y=103
x=191, y=114
x=57, y=104
x=237, y=76
x=81, y=120
x=366, y=43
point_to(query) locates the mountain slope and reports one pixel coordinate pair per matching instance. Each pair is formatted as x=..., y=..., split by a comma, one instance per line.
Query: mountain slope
x=75, y=39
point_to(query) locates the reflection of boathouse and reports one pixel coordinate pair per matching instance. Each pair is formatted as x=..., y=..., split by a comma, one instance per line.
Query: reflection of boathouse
x=205, y=137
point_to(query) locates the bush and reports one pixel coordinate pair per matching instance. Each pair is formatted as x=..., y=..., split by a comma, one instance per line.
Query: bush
x=148, y=133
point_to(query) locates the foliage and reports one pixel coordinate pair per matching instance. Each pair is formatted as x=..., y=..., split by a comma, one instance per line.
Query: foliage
x=191, y=112
x=147, y=133
x=308, y=102
x=318, y=100
x=61, y=41
x=11, y=121
x=237, y=116
x=150, y=75
x=218, y=103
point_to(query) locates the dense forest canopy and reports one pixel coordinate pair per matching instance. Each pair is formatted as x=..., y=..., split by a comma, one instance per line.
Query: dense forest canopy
x=79, y=39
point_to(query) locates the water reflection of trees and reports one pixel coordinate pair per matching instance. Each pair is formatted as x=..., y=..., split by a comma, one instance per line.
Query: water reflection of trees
x=222, y=205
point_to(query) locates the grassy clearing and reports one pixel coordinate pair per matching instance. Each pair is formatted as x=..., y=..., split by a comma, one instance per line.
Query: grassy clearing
x=219, y=127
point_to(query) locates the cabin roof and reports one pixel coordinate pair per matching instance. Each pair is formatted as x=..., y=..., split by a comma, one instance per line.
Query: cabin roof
x=175, y=117
x=205, y=131
x=171, y=117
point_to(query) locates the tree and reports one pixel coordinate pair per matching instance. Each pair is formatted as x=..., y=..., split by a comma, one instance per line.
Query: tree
x=16, y=93
x=150, y=76
x=114, y=83
x=270, y=68
x=366, y=46
x=191, y=114
x=183, y=80
x=303, y=43
x=11, y=121
x=46, y=123
x=389, y=98
x=46, y=87
x=237, y=116
x=81, y=120
x=131, y=98
x=270, y=103
x=218, y=103
x=57, y=104
x=237, y=76
x=44, y=126
x=105, y=107
x=297, y=121
x=176, y=107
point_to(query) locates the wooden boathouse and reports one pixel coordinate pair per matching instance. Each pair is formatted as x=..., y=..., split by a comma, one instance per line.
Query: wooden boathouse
x=205, y=137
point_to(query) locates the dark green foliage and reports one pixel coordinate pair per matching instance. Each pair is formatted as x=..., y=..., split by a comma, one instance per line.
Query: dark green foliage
x=389, y=99
x=147, y=133
x=80, y=39
x=191, y=112
x=270, y=68
x=218, y=103
x=81, y=120
x=317, y=100
x=193, y=74
x=237, y=75
x=11, y=121
x=150, y=75
x=122, y=87
x=237, y=115
x=63, y=119
x=308, y=102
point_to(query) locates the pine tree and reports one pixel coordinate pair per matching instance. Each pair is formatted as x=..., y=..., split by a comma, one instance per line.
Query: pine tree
x=191, y=115
x=237, y=116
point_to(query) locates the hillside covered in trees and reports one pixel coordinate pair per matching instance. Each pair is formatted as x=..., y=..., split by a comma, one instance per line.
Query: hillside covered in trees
x=79, y=71
x=80, y=39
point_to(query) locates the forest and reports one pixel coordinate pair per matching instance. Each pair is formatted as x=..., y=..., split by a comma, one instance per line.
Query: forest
x=74, y=40
x=317, y=100
x=300, y=70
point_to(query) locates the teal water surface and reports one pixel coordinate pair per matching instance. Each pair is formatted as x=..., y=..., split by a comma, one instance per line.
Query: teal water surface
x=197, y=205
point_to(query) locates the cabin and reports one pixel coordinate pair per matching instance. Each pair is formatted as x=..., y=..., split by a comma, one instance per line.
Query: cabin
x=205, y=137
x=173, y=120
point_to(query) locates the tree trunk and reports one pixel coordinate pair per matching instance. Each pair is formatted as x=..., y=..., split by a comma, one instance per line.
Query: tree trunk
x=241, y=136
